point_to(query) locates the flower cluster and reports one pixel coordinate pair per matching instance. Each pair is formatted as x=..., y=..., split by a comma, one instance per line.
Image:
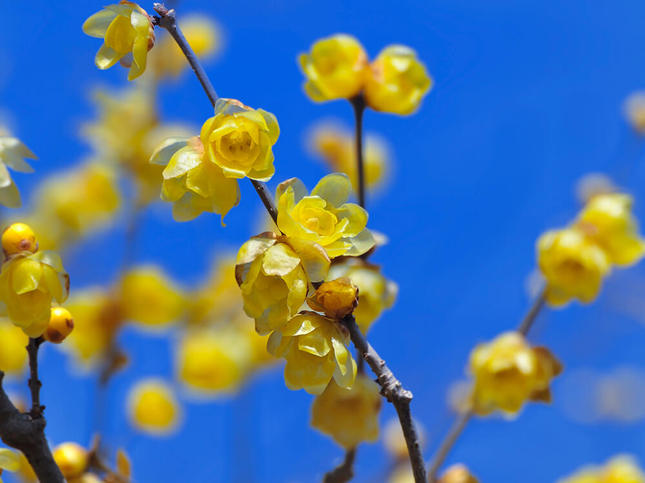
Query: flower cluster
x=620, y=469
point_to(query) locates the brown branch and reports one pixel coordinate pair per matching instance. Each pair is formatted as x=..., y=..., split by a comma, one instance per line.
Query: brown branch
x=343, y=472
x=34, y=383
x=358, y=103
x=531, y=315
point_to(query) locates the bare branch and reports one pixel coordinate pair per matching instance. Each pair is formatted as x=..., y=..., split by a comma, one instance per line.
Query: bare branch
x=34, y=383
x=343, y=472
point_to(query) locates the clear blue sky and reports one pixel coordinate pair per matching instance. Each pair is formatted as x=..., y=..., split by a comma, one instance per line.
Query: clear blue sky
x=527, y=99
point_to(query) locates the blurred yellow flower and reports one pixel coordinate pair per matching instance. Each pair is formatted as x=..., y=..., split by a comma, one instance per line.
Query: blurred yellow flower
x=572, y=264
x=239, y=140
x=336, y=298
x=127, y=33
x=153, y=408
x=72, y=459
x=324, y=217
x=28, y=284
x=397, y=82
x=608, y=221
x=634, y=109
x=315, y=349
x=348, y=416
x=457, y=474
x=13, y=342
x=12, y=154
x=219, y=297
x=335, y=68
x=619, y=469
x=508, y=372
x=9, y=460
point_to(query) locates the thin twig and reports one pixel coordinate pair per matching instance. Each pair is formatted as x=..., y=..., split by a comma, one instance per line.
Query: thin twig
x=343, y=472
x=358, y=103
x=531, y=315
x=34, y=382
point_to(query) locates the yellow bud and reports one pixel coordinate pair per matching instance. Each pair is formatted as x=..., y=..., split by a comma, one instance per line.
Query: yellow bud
x=60, y=325
x=19, y=238
x=72, y=459
x=153, y=407
x=336, y=299
x=457, y=474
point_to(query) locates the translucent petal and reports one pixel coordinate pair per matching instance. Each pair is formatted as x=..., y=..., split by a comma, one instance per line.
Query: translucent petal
x=361, y=243
x=50, y=258
x=25, y=275
x=5, y=177
x=272, y=125
x=314, y=343
x=333, y=188
x=189, y=207
x=181, y=162
x=166, y=150
x=10, y=196
x=97, y=24
x=279, y=260
x=9, y=460
x=313, y=257
x=255, y=247
x=140, y=56
x=297, y=186
x=356, y=215
x=106, y=57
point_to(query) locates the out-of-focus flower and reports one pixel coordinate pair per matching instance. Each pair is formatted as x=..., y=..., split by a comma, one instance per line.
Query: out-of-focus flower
x=594, y=184
x=12, y=154
x=9, y=460
x=72, y=459
x=335, y=68
x=457, y=474
x=348, y=416
x=218, y=298
x=239, y=140
x=375, y=292
x=508, y=372
x=398, y=81
x=192, y=182
x=634, y=109
x=127, y=33
x=324, y=217
x=315, y=349
x=335, y=145
x=572, y=264
x=153, y=408
x=149, y=298
x=402, y=473
x=13, y=341
x=619, y=469
x=336, y=298
x=607, y=219
x=394, y=441
x=28, y=284
x=60, y=325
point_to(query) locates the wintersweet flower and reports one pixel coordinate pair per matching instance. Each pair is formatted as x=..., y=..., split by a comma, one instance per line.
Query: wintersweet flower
x=619, y=469
x=607, y=219
x=72, y=459
x=507, y=372
x=61, y=324
x=315, y=349
x=336, y=298
x=153, y=407
x=239, y=140
x=9, y=460
x=324, y=216
x=336, y=68
x=28, y=284
x=12, y=155
x=18, y=237
x=192, y=182
x=13, y=341
x=348, y=416
x=458, y=474
x=398, y=81
x=127, y=33
x=572, y=264
x=273, y=273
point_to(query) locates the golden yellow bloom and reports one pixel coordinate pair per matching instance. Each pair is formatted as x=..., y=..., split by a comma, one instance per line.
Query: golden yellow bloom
x=127, y=33
x=572, y=264
x=12, y=154
x=619, y=469
x=239, y=140
x=398, y=81
x=72, y=459
x=634, y=109
x=508, y=372
x=28, y=284
x=457, y=474
x=336, y=68
x=13, y=341
x=193, y=183
x=153, y=408
x=348, y=416
x=60, y=325
x=149, y=298
x=324, y=216
x=608, y=221
x=336, y=299
x=9, y=460
x=273, y=273
x=315, y=348
x=17, y=238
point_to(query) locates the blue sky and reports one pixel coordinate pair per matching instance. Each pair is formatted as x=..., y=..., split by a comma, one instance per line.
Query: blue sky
x=527, y=99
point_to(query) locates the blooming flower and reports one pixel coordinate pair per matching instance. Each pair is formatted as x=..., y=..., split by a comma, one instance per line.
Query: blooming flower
x=12, y=154
x=507, y=372
x=398, y=81
x=13, y=341
x=239, y=140
x=315, y=350
x=324, y=216
x=72, y=459
x=335, y=69
x=348, y=416
x=153, y=408
x=9, y=460
x=127, y=33
x=573, y=265
x=619, y=469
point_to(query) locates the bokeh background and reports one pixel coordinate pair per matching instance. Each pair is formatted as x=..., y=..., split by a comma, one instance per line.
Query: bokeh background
x=527, y=99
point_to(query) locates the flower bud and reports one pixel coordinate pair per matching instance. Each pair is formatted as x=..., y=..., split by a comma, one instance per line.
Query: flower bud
x=72, y=459
x=336, y=299
x=60, y=325
x=457, y=474
x=17, y=238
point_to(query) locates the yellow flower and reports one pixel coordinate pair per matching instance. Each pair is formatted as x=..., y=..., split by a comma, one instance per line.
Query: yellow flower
x=13, y=341
x=72, y=459
x=457, y=474
x=573, y=265
x=508, y=372
x=149, y=298
x=324, y=216
x=60, y=325
x=375, y=292
x=18, y=237
x=12, y=154
x=9, y=460
x=28, y=284
x=315, y=350
x=348, y=416
x=398, y=81
x=336, y=298
x=239, y=140
x=193, y=183
x=335, y=69
x=127, y=33
x=634, y=109
x=273, y=273
x=153, y=408
x=608, y=221
x=619, y=469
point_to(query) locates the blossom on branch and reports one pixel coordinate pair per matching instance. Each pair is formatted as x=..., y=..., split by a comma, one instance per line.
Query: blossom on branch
x=12, y=155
